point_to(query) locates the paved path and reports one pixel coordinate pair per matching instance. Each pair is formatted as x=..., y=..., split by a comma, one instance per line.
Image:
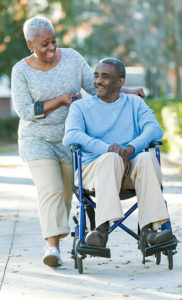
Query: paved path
x=23, y=276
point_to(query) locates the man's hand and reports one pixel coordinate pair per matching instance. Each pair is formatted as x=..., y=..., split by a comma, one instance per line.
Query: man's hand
x=129, y=150
x=138, y=92
x=124, y=153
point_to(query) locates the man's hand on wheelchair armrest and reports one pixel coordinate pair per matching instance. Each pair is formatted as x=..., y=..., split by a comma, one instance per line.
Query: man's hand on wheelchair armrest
x=124, y=153
x=138, y=92
x=129, y=150
x=155, y=143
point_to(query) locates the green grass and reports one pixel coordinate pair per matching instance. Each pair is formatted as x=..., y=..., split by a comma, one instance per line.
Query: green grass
x=6, y=149
x=8, y=128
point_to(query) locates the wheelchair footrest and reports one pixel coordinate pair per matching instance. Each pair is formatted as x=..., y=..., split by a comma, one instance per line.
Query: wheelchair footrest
x=169, y=245
x=93, y=250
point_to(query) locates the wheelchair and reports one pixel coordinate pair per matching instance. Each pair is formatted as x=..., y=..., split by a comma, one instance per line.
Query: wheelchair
x=87, y=207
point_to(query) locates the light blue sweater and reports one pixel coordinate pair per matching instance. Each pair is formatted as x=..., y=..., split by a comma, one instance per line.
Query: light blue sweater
x=95, y=125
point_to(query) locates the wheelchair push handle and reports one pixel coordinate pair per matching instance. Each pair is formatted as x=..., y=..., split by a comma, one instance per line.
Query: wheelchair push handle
x=75, y=220
x=74, y=99
x=155, y=143
x=74, y=148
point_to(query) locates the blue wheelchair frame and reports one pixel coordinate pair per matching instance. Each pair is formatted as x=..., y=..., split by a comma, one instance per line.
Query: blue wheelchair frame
x=81, y=249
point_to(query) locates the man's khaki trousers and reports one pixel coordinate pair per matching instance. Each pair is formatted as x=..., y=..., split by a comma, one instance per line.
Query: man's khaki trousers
x=105, y=176
x=54, y=182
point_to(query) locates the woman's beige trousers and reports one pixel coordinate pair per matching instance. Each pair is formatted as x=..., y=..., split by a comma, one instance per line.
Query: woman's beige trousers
x=53, y=181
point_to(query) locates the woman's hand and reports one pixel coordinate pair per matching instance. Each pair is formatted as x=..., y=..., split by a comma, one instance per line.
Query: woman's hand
x=138, y=92
x=67, y=98
x=53, y=104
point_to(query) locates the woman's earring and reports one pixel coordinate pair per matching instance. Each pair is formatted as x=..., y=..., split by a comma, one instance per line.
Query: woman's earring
x=31, y=51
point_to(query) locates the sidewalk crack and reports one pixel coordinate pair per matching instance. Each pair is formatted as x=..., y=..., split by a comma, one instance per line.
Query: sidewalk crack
x=10, y=249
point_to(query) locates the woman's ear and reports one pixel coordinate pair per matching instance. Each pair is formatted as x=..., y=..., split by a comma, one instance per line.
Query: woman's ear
x=29, y=45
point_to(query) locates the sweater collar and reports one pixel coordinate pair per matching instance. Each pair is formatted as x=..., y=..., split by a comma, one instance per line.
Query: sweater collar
x=120, y=100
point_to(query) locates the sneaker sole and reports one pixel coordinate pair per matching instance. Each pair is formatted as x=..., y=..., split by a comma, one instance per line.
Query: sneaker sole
x=52, y=261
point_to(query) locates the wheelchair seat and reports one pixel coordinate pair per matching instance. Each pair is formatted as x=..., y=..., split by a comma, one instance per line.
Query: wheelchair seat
x=124, y=194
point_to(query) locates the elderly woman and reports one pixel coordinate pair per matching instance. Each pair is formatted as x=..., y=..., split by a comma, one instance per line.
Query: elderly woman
x=43, y=85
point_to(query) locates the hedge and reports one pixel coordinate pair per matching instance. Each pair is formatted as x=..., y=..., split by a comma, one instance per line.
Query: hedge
x=169, y=114
x=9, y=128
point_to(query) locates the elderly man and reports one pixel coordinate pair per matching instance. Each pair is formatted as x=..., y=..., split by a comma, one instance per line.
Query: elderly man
x=112, y=129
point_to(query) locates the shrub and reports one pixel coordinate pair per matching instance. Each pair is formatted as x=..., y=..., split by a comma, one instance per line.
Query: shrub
x=9, y=128
x=173, y=106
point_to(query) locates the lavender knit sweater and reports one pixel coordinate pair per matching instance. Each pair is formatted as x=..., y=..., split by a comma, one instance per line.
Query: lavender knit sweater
x=41, y=137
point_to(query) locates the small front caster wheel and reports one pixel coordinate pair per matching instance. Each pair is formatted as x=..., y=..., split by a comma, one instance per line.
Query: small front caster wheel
x=170, y=259
x=158, y=258
x=80, y=265
x=76, y=263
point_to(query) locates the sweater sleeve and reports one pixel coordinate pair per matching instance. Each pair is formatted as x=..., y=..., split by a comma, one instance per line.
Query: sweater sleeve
x=87, y=79
x=24, y=106
x=75, y=133
x=149, y=128
x=87, y=74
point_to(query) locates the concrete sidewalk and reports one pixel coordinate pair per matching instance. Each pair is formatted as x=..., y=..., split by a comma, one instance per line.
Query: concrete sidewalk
x=23, y=276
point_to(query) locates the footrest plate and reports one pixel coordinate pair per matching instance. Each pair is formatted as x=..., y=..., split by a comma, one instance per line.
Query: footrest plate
x=169, y=245
x=93, y=250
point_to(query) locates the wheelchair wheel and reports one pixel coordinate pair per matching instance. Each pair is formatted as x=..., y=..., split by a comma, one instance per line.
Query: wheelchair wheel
x=158, y=258
x=80, y=265
x=170, y=259
x=75, y=263
x=74, y=253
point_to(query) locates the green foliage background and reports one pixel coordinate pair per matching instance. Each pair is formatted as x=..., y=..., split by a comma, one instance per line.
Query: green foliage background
x=8, y=128
x=145, y=33
x=174, y=105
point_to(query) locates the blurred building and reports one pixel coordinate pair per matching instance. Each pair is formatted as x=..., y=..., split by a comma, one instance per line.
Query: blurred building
x=5, y=97
x=135, y=78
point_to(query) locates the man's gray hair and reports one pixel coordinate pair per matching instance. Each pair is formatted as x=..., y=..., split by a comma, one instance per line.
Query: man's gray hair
x=35, y=26
x=120, y=68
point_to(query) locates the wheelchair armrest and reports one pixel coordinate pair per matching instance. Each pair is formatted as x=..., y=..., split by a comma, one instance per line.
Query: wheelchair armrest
x=152, y=145
x=155, y=143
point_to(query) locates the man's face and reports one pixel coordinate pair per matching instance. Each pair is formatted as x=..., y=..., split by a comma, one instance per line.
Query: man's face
x=107, y=82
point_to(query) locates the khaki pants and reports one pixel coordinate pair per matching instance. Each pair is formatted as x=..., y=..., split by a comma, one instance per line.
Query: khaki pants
x=105, y=176
x=53, y=181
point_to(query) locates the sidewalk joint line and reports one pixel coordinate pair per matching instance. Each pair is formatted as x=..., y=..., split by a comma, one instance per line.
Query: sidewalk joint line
x=4, y=273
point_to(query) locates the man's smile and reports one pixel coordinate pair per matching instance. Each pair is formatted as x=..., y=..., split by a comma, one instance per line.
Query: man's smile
x=99, y=86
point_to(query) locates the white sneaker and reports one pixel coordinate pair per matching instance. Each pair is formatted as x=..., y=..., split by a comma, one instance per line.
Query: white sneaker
x=52, y=257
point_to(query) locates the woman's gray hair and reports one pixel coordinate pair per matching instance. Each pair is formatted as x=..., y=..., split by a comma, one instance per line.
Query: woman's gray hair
x=35, y=26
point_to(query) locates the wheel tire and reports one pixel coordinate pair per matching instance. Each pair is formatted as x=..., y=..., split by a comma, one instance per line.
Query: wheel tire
x=170, y=259
x=80, y=265
x=75, y=263
x=74, y=253
x=158, y=258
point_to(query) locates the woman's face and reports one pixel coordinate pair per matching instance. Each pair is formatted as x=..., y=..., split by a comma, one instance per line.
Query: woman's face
x=44, y=46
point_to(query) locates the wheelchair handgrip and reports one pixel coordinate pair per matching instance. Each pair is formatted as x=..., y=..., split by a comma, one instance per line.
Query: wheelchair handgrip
x=75, y=147
x=75, y=220
x=155, y=143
